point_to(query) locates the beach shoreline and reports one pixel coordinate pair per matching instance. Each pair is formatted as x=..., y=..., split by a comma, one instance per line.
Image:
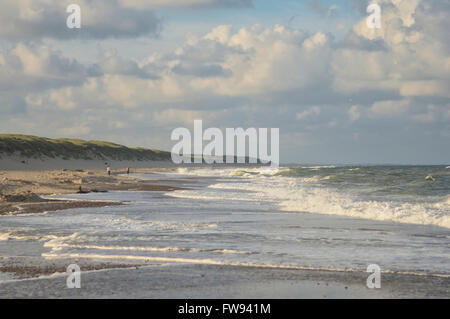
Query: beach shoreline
x=25, y=191
x=39, y=273
x=188, y=281
x=31, y=191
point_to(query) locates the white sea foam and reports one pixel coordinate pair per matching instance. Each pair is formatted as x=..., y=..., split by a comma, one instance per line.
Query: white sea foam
x=298, y=194
x=4, y=236
x=210, y=196
x=132, y=224
x=209, y=261
x=57, y=242
x=14, y=235
x=231, y=172
x=58, y=245
x=324, y=201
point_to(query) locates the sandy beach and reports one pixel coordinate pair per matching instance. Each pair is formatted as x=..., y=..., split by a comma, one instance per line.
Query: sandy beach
x=132, y=239
x=225, y=149
x=185, y=281
x=23, y=192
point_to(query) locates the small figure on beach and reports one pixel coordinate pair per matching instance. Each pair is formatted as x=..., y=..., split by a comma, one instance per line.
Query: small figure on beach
x=108, y=170
x=128, y=170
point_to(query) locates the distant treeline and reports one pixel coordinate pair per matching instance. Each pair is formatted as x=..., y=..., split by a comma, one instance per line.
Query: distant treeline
x=38, y=147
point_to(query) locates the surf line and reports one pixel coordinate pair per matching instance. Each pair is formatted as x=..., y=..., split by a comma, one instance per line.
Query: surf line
x=53, y=255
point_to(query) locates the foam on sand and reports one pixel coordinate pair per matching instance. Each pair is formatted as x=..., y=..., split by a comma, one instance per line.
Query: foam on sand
x=221, y=263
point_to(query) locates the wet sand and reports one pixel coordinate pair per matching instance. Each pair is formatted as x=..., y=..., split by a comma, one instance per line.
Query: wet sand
x=36, y=277
x=228, y=282
x=21, y=191
x=19, y=208
x=24, y=192
x=22, y=268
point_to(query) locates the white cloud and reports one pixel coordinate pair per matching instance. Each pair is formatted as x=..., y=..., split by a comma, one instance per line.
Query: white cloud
x=411, y=59
x=256, y=61
x=262, y=60
x=156, y=4
x=354, y=112
x=313, y=111
x=247, y=76
x=38, y=19
x=433, y=114
x=425, y=88
x=28, y=19
x=29, y=68
x=390, y=108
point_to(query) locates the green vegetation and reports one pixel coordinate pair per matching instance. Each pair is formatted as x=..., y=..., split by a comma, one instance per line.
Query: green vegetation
x=36, y=147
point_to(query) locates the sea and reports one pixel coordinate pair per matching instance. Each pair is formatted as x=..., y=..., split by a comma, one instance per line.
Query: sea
x=341, y=218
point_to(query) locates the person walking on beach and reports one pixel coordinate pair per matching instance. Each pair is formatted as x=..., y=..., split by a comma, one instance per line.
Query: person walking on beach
x=108, y=170
x=128, y=170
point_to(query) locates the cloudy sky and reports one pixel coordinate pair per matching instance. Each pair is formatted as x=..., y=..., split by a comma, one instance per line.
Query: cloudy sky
x=339, y=91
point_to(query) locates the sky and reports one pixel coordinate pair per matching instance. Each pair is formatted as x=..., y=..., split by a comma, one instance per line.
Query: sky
x=339, y=91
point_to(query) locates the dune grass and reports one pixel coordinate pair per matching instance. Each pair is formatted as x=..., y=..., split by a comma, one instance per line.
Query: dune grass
x=38, y=147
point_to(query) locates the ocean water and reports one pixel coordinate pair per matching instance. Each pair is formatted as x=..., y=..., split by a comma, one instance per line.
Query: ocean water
x=409, y=194
x=304, y=217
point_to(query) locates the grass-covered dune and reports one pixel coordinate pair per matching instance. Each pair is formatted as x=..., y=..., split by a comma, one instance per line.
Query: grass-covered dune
x=40, y=147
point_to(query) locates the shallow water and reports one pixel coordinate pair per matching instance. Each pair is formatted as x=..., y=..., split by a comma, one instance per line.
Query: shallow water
x=242, y=217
